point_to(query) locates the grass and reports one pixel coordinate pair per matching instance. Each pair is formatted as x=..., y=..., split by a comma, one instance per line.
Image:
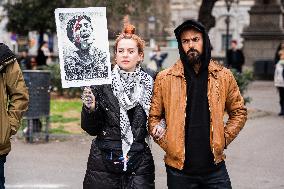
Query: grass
x=57, y=106
x=65, y=116
x=59, y=130
x=60, y=119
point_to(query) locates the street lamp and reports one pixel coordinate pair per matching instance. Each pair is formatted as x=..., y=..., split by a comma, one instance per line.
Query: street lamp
x=151, y=27
x=227, y=21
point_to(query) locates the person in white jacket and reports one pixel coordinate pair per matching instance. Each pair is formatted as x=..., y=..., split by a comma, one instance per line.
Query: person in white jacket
x=279, y=78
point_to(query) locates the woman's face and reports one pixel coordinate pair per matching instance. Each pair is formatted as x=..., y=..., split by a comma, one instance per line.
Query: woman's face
x=127, y=55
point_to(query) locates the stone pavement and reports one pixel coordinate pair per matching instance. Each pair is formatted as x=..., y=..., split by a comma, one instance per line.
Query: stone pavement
x=254, y=159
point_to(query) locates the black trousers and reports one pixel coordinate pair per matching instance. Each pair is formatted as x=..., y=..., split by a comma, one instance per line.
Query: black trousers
x=218, y=179
x=281, y=97
x=2, y=176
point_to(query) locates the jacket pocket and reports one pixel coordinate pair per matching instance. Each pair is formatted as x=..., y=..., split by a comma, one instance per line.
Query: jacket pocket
x=5, y=132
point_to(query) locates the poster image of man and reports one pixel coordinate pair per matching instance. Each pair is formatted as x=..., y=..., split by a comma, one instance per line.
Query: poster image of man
x=83, y=61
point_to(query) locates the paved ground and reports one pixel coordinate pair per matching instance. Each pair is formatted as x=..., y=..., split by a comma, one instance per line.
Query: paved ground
x=254, y=159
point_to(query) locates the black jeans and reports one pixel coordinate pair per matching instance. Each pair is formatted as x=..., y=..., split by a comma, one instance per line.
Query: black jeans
x=218, y=179
x=2, y=178
x=281, y=97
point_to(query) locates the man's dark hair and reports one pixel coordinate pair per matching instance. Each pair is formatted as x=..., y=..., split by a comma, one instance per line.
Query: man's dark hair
x=234, y=41
x=193, y=24
x=71, y=23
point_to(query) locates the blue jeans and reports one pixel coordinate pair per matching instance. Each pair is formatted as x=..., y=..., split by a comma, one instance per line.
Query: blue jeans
x=218, y=179
x=2, y=178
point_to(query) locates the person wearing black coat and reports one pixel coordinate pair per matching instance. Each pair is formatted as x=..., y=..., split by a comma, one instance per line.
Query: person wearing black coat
x=117, y=114
x=235, y=57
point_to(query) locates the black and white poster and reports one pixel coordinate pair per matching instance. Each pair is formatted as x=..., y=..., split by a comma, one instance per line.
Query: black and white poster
x=83, y=46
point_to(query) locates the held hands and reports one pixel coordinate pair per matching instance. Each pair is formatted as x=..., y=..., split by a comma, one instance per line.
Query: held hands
x=89, y=99
x=159, y=130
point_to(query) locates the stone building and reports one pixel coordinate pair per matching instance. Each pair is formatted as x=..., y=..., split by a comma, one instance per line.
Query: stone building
x=239, y=19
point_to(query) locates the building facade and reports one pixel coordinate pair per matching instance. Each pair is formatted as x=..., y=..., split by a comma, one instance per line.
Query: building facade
x=182, y=10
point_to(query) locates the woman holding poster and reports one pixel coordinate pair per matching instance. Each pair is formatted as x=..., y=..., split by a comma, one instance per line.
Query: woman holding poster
x=117, y=115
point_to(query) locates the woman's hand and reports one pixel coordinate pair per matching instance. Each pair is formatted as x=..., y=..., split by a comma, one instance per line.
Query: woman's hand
x=89, y=99
x=159, y=130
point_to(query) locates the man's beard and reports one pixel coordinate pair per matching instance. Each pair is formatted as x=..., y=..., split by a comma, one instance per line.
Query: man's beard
x=193, y=56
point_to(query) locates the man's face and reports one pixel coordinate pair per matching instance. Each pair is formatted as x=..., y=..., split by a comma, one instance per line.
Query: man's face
x=233, y=45
x=192, y=44
x=83, y=32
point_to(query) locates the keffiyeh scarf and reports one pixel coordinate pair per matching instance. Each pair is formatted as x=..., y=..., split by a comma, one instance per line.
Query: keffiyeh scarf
x=131, y=89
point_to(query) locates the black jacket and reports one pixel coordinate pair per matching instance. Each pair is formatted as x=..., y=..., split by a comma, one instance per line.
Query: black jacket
x=237, y=61
x=106, y=150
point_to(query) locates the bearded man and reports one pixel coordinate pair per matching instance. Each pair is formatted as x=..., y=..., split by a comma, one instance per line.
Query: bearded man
x=192, y=96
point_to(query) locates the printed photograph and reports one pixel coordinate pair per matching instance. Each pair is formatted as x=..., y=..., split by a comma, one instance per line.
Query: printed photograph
x=83, y=46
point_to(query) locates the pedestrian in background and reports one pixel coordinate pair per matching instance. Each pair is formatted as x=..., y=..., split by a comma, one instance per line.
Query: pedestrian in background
x=192, y=96
x=33, y=63
x=277, y=56
x=43, y=54
x=235, y=57
x=279, y=77
x=117, y=115
x=24, y=60
x=158, y=57
x=13, y=102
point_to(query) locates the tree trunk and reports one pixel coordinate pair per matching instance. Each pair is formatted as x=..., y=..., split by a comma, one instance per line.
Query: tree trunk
x=205, y=14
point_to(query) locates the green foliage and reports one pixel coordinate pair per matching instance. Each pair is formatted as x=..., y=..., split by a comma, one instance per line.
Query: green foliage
x=56, y=82
x=38, y=15
x=29, y=15
x=243, y=80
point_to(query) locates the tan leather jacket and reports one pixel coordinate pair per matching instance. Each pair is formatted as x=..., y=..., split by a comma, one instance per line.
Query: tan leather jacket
x=169, y=102
x=13, y=103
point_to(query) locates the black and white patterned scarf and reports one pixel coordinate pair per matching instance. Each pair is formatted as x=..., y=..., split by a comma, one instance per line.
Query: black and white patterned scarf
x=131, y=89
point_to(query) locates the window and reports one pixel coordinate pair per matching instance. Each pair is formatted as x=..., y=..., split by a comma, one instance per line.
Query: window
x=224, y=37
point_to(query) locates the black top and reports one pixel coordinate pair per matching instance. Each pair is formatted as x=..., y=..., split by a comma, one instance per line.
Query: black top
x=235, y=58
x=198, y=155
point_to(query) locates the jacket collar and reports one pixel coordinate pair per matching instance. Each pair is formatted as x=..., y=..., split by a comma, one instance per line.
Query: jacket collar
x=178, y=70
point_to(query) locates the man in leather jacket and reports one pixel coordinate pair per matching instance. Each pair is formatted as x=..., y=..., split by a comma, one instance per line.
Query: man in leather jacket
x=191, y=96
